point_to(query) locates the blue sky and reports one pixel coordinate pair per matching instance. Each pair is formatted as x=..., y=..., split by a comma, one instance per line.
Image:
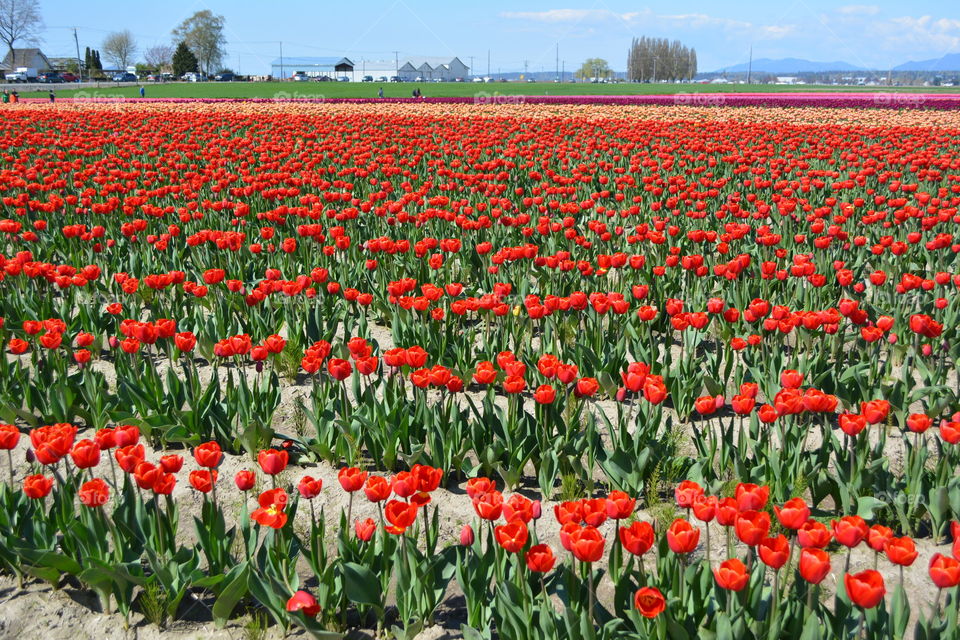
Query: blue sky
x=876, y=35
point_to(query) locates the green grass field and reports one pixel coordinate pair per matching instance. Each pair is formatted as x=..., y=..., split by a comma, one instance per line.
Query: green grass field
x=433, y=90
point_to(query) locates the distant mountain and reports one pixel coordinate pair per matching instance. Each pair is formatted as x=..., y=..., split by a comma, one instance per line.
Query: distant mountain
x=949, y=62
x=788, y=66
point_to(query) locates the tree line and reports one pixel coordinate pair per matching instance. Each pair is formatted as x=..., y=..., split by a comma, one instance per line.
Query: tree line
x=656, y=59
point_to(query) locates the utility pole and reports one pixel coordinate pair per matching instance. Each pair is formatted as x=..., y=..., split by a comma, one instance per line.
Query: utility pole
x=396, y=62
x=563, y=70
x=79, y=64
x=524, y=69
x=558, y=62
x=654, y=69
x=471, y=66
x=281, y=61
x=750, y=66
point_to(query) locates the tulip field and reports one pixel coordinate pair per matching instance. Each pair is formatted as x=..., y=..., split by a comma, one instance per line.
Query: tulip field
x=517, y=371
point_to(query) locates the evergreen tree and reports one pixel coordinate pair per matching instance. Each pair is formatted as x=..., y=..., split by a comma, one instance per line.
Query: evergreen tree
x=183, y=60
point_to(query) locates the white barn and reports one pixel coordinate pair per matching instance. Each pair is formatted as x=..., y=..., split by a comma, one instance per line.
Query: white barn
x=431, y=68
x=313, y=67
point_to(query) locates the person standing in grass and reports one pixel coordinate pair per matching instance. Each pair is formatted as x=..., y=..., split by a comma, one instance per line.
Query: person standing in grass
x=53, y=97
x=143, y=91
x=380, y=93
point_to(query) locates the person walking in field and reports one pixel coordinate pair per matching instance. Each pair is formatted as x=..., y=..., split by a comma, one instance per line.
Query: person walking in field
x=380, y=93
x=53, y=96
x=143, y=91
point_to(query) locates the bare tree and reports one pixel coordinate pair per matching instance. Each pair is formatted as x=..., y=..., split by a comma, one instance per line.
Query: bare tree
x=120, y=47
x=203, y=34
x=19, y=20
x=159, y=57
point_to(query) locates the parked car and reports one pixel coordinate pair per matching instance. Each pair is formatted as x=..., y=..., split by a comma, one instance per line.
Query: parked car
x=382, y=79
x=224, y=77
x=69, y=77
x=323, y=79
x=299, y=76
x=50, y=78
x=192, y=76
x=343, y=79
x=395, y=79
x=368, y=78
x=124, y=77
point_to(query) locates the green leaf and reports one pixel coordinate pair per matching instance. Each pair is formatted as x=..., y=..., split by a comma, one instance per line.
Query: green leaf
x=234, y=590
x=360, y=585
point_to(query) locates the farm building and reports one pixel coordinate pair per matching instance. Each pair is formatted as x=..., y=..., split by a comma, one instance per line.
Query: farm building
x=30, y=58
x=313, y=67
x=433, y=68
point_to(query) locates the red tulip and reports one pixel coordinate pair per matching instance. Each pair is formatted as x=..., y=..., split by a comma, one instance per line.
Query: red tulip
x=944, y=571
x=171, y=463
x=245, y=479
x=682, y=537
x=364, y=529
x=9, y=436
x=400, y=515
x=865, y=589
x=638, y=538
x=752, y=527
x=351, y=478
x=310, y=487
x=814, y=534
x=586, y=544
x=303, y=602
x=271, y=511
x=774, y=552
x=794, y=513
x=814, y=565
x=512, y=536
x=37, y=486
x=94, y=493
x=850, y=530
x=272, y=461
x=540, y=558
x=85, y=454
x=900, y=551
x=649, y=602
x=732, y=575
x=203, y=479
x=751, y=497
x=208, y=455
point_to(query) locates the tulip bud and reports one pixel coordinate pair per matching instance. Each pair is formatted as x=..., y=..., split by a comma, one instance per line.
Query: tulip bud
x=466, y=536
x=114, y=342
x=259, y=366
x=536, y=509
x=621, y=394
x=31, y=456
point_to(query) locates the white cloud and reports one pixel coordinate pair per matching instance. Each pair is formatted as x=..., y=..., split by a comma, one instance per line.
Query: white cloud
x=696, y=20
x=567, y=15
x=648, y=18
x=921, y=34
x=858, y=10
